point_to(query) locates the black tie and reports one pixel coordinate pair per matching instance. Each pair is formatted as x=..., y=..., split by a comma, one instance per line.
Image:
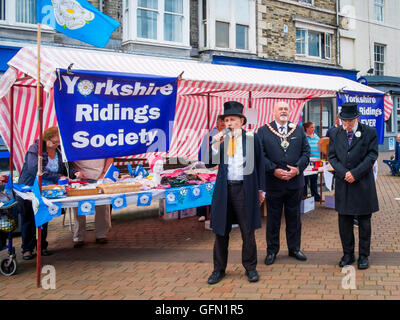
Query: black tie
x=282, y=130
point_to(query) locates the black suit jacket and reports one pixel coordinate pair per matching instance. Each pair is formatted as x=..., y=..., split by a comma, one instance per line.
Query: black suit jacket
x=359, y=197
x=296, y=155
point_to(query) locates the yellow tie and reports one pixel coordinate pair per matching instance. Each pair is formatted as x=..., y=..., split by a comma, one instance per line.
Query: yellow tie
x=231, y=146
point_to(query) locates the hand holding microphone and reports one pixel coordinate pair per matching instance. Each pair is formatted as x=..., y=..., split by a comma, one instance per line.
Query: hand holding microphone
x=219, y=137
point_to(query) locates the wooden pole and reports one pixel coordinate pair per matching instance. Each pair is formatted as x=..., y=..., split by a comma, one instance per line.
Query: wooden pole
x=208, y=145
x=250, y=105
x=39, y=111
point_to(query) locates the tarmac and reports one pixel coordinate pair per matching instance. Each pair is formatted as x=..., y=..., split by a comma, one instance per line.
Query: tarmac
x=148, y=258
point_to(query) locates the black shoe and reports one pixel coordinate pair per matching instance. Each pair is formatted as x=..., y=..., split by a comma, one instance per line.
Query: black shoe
x=28, y=255
x=216, y=276
x=270, y=259
x=355, y=222
x=252, y=275
x=363, y=262
x=46, y=253
x=346, y=260
x=298, y=255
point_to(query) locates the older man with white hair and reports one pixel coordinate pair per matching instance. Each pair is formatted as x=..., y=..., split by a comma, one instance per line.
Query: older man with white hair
x=286, y=155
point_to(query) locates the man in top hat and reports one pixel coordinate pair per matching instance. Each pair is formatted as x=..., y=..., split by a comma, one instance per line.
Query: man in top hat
x=353, y=150
x=286, y=155
x=238, y=191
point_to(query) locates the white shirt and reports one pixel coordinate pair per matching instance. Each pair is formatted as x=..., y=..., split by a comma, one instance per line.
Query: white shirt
x=235, y=163
x=285, y=130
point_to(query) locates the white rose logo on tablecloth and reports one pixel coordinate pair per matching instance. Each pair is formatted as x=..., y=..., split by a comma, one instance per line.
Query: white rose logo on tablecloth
x=144, y=199
x=53, y=209
x=85, y=87
x=70, y=14
x=86, y=207
x=118, y=202
x=171, y=197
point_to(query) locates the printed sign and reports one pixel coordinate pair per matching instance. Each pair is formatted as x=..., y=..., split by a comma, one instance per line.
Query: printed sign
x=114, y=114
x=370, y=107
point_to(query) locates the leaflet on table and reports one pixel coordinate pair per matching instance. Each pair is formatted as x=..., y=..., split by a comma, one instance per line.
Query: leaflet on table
x=104, y=115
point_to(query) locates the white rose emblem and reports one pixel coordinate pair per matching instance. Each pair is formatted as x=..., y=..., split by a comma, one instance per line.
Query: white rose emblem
x=85, y=87
x=118, y=202
x=196, y=191
x=358, y=134
x=53, y=210
x=86, y=207
x=115, y=175
x=291, y=125
x=144, y=199
x=183, y=191
x=70, y=14
x=209, y=186
x=171, y=197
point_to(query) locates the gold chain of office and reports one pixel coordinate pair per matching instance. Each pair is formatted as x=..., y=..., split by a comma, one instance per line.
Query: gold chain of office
x=284, y=144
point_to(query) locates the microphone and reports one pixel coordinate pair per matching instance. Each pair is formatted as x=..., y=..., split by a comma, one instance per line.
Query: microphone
x=224, y=133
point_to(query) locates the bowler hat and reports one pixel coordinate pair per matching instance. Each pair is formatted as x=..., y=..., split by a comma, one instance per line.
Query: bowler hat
x=234, y=108
x=349, y=111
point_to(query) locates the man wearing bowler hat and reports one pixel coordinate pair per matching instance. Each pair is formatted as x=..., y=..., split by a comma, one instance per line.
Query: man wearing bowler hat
x=353, y=150
x=238, y=191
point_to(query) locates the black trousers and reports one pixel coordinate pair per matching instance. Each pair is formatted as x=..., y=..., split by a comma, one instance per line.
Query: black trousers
x=28, y=227
x=289, y=201
x=311, y=180
x=346, y=231
x=236, y=208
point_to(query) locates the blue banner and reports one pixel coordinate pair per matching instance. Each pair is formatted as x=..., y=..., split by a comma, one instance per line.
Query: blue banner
x=370, y=107
x=77, y=19
x=104, y=115
x=188, y=197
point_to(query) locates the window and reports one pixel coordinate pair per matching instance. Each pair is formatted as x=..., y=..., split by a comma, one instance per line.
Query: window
x=18, y=11
x=161, y=21
x=379, y=58
x=379, y=10
x=227, y=24
x=396, y=101
x=313, y=44
x=306, y=1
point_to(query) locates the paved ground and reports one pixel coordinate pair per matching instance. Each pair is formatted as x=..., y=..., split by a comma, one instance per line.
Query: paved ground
x=156, y=259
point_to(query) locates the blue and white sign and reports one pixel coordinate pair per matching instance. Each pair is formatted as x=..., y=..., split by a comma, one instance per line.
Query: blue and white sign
x=370, y=108
x=86, y=207
x=114, y=114
x=118, y=202
x=188, y=197
x=144, y=199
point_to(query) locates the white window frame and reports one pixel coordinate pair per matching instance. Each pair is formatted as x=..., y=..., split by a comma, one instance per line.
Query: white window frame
x=129, y=10
x=379, y=7
x=323, y=30
x=309, y=2
x=211, y=20
x=380, y=62
x=321, y=34
x=11, y=23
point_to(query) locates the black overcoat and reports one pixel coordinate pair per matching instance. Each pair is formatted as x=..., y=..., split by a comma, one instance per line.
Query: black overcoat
x=252, y=182
x=359, y=197
x=275, y=157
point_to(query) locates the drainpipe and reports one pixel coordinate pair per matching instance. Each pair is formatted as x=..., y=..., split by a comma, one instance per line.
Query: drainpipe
x=337, y=34
x=101, y=5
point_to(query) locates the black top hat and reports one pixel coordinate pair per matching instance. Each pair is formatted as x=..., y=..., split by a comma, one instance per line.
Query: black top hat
x=349, y=111
x=234, y=108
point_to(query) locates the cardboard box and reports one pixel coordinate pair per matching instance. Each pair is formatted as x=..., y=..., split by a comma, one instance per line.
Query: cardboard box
x=307, y=205
x=162, y=213
x=330, y=202
x=187, y=213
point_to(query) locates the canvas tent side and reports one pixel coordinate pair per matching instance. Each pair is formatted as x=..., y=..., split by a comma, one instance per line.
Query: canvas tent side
x=203, y=88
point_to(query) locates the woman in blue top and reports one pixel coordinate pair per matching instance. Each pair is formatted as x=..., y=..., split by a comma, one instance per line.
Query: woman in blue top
x=315, y=155
x=53, y=169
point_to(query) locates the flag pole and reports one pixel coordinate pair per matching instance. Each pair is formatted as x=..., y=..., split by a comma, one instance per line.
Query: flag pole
x=39, y=111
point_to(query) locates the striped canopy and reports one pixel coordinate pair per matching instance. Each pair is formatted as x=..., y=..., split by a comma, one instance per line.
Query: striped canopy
x=202, y=90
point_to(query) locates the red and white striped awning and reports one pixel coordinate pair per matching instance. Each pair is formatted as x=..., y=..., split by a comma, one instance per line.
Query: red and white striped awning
x=199, y=79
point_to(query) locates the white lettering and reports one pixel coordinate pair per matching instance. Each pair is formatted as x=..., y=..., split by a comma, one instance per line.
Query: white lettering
x=166, y=90
x=154, y=113
x=83, y=110
x=110, y=88
x=70, y=83
x=82, y=142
